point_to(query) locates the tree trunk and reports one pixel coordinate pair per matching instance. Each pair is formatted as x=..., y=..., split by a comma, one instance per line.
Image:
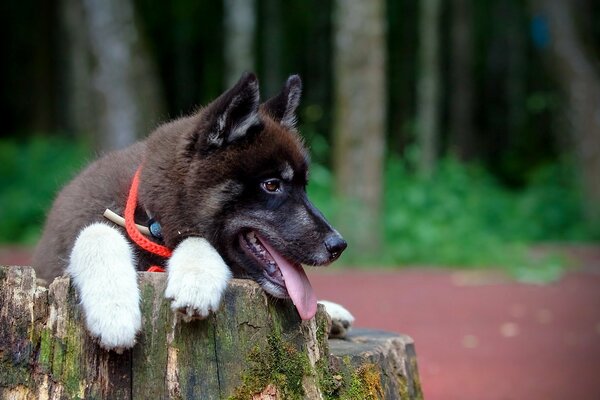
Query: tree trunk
x=44, y=102
x=581, y=83
x=516, y=74
x=80, y=105
x=359, y=126
x=271, y=42
x=461, y=102
x=428, y=86
x=113, y=92
x=239, y=25
x=253, y=347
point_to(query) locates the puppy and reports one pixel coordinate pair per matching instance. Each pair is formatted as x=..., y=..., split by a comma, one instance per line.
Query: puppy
x=222, y=192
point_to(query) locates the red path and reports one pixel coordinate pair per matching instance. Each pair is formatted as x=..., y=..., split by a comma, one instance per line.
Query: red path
x=477, y=337
x=485, y=341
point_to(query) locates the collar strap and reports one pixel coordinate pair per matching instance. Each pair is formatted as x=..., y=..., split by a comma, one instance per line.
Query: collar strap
x=132, y=231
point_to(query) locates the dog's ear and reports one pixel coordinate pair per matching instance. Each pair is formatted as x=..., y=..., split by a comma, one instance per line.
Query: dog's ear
x=282, y=107
x=234, y=112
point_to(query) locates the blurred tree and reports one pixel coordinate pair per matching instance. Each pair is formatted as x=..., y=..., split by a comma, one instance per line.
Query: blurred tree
x=271, y=41
x=461, y=93
x=29, y=100
x=239, y=25
x=187, y=41
x=516, y=84
x=113, y=92
x=402, y=33
x=359, y=79
x=575, y=69
x=428, y=86
x=80, y=112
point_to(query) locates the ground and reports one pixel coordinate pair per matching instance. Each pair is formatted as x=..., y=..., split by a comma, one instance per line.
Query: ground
x=478, y=335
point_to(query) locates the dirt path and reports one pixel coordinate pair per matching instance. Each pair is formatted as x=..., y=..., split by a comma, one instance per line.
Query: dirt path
x=480, y=338
x=478, y=335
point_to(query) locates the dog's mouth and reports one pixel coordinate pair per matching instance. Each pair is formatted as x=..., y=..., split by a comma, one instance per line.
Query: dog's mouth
x=284, y=278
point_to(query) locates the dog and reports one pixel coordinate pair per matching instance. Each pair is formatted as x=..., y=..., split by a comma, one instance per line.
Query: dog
x=223, y=193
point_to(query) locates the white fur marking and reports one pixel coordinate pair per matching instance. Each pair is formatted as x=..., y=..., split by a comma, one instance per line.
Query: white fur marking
x=102, y=269
x=197, y=278
x=241, y=128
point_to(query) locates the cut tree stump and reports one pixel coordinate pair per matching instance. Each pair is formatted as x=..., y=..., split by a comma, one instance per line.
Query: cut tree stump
x=255, y=347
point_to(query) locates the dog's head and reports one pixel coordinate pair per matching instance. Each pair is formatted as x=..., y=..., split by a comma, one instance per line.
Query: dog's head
x=246, y=171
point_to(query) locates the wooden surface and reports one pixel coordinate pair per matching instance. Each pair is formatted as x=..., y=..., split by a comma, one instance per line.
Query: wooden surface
x=255, y=347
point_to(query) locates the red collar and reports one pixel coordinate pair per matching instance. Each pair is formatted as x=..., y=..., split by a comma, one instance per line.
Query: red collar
x=134, y=234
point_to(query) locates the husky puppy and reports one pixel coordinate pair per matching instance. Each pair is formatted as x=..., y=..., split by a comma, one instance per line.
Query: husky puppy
x=225, y=185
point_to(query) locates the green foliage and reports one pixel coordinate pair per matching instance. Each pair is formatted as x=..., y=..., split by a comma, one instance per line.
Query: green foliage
x=463, y=217
x=31, y=173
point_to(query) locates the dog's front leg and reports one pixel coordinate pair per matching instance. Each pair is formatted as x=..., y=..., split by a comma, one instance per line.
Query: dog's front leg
x=197, y=278
x=102, y=269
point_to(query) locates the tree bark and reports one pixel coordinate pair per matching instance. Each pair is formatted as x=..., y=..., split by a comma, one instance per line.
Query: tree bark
x=581, y=83
x=113, y=91
x=360, y=115
x=428, y=86
x=240, y=27
x=461, y=104
x=254, y=347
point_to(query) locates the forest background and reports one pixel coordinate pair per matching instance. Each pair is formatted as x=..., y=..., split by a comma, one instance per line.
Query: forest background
x=447, y=133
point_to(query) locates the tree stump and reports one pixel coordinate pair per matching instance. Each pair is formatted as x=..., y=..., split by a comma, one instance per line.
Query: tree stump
x=255, y=347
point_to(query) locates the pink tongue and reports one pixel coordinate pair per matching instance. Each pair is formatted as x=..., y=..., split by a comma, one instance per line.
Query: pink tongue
x=297, y=283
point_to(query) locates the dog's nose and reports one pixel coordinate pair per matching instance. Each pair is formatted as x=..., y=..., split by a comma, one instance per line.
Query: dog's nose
x=335, y=244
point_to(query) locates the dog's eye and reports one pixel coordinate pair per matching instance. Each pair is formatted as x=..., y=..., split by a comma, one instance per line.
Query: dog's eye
x=271, y=185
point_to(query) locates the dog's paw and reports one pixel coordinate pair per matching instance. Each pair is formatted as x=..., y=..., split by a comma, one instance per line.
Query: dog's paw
x=101, y=267
x=194, y=298
x=197, y=279
x=341, y=319
x=114, y=325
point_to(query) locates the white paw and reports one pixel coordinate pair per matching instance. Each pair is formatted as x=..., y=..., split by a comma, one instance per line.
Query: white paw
x=115, y=325
x=341, y=318
x=102, y=269
x=197, y=279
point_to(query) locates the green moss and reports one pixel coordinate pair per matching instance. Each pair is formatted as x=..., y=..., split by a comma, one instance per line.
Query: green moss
x=329, y=381
x=322, y=331
x=58, y=357
x=45, y=354
x=402, y=387
x=11, y=374
x=66, y=359
x=280, y=364
x=365, y=384
x=416, y=378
